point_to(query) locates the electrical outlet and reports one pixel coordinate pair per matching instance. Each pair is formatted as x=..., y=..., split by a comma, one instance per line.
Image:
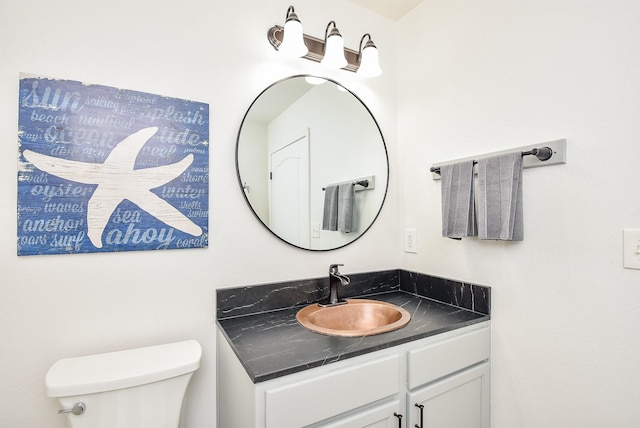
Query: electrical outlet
x=631, y=253
x=410, y=241
x=315, y=230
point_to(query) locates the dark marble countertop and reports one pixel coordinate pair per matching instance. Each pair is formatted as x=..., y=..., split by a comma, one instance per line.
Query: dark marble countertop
x=272, y=344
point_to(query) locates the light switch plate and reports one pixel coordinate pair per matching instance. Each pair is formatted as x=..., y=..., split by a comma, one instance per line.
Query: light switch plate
x=631, y=255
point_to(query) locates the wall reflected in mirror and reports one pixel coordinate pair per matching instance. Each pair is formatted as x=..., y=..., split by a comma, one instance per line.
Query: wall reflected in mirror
x=296, y=139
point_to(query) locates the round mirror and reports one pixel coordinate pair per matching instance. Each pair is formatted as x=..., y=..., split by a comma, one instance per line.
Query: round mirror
x=312, y=163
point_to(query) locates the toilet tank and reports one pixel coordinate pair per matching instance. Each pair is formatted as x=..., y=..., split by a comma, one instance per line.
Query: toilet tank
x=136, y=388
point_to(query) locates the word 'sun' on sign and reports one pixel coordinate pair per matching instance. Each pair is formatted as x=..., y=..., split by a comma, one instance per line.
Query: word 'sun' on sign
x=106, y=169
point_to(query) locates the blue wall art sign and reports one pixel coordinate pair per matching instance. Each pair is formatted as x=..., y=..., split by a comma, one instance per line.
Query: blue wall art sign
x=105, y=169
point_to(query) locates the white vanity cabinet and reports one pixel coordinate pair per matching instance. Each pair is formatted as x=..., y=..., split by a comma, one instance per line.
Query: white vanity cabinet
x=448, y=374
x=461, y=400
x=449, y=382
x=387, y=415
x=369, y=382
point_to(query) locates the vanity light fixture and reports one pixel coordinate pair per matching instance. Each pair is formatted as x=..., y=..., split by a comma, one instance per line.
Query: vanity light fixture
x=293, y=38
x=368, y=56
x=330, y=51
x=333, y=48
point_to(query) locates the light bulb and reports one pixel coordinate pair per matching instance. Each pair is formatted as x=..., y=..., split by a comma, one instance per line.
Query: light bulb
x=369, y=64
x=293, y=45
x=334, y=52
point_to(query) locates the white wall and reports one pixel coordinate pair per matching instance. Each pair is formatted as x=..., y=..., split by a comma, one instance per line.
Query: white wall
x=252, y=155
x=479, y=76
x=59, y=306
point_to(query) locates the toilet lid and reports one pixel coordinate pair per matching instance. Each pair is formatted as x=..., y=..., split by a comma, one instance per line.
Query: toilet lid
x=122, y=369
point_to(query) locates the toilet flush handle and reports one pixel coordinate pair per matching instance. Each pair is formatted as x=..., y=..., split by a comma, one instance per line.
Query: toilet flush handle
x=77, y=409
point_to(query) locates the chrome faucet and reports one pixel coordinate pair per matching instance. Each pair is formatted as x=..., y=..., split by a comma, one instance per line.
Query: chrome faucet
x=336, y=279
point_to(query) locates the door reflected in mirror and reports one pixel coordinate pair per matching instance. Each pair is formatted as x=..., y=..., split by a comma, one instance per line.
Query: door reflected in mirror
x=298, y=139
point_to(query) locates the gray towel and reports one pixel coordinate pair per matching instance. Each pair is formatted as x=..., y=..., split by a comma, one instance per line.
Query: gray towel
x=330, y=210
x=458, y=214
x=499, y=199
x=346, y=206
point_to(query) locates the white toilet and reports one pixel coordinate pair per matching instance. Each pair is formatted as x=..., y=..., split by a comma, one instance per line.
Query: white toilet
x=137, y=388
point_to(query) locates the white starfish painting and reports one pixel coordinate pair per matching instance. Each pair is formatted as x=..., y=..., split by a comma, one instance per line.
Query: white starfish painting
x=117, y=181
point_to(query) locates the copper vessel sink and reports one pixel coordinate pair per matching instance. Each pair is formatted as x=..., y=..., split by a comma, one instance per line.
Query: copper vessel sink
x=358, y=317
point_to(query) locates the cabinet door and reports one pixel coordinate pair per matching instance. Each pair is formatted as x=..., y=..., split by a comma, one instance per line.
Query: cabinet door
x=382, y=416
x=460, y=401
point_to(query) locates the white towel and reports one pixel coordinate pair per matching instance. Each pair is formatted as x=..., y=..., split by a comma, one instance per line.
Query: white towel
x=499, y=198
x=458, y=213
